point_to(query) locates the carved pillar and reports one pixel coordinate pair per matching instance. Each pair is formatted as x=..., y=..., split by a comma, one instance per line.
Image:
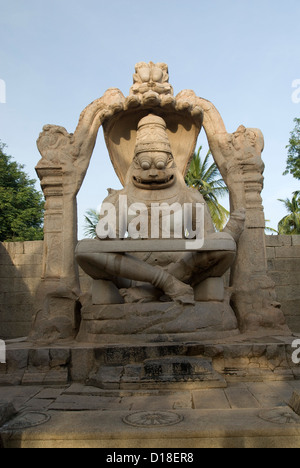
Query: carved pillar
x=57, y=298
x=65, y=160
x=238, y=157
x=254, y=296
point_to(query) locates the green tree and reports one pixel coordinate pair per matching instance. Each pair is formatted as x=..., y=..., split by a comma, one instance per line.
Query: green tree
x=293, y=160
x=21, y=205
x=206, y=177
x=290, y=224
x=91, y=221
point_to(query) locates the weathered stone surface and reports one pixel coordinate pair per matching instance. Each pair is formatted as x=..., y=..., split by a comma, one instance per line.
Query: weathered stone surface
x=181, y=369
x=211, y=289
x=295, y=240
x=294, y=402
x=59, y=357
x=257, y=428
x=7, y=411
x=153, y=322
x=107, y=377
x=105, y=292
x=84, y=403
x=82, y=363
x=212, y=398
x=42, y=377
x=278, y=241
x=241, y=398
x=21, y=270
x=160, y=373
x=288, y=252
x=39, y=358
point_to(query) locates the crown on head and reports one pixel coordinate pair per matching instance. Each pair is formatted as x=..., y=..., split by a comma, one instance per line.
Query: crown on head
x=152, y=135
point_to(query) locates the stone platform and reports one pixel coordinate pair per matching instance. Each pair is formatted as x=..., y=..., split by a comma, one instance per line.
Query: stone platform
x=244, y=415
x=157, y=322
x=227, y=393
x=135, y=366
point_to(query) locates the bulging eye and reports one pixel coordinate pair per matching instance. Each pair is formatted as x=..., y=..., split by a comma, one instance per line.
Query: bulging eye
x=160, y=165
x=145, y=165
x=161, y=162
x=145, y=162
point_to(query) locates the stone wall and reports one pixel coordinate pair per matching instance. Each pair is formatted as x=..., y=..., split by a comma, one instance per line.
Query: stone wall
x=21, y=270
x=283, y=253
x=20, y=275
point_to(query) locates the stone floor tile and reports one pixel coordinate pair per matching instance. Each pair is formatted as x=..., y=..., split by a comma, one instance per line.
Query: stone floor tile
x=18, y=395
x=210, y=399
x=50, y=393
x=264, y=394
x=36, y=404
x=282, y=389
x=241, y=398
x=81, y=403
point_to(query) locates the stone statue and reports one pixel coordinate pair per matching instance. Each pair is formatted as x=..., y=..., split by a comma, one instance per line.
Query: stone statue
x=153, y=177
x=151, y=136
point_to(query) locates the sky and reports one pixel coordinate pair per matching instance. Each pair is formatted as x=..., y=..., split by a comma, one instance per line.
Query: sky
x=58, y=56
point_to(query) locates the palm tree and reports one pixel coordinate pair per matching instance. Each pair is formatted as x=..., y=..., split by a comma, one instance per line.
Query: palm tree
x=206, y=178
x=91, y=221
x=290, y=224
x=270, y=230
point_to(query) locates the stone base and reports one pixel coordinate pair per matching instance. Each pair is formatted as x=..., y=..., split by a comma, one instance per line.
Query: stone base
x=156, y=322
x=192, y=364
x=164, y=373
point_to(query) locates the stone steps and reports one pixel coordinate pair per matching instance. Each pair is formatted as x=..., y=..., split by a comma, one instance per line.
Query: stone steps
x=236, y=360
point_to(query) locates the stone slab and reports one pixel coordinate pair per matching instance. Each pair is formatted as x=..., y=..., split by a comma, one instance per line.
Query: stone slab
x=281, y=389
x=212, y=399
x=242, y=428
x=241, y=398
x=18, y=395
x=167, y=245
x=50, y=393
x=52, y=377
x=82, y=403
x=265, y=396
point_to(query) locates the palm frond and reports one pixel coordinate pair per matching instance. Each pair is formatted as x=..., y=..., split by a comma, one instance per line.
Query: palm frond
x=205, y=177
x=91, y=221
x=290, y=224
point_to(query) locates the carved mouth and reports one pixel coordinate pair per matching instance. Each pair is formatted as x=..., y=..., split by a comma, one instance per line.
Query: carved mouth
x=155, y=184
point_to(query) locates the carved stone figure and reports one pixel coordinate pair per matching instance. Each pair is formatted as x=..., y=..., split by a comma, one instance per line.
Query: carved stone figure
x=153, y=177
x=151, y=136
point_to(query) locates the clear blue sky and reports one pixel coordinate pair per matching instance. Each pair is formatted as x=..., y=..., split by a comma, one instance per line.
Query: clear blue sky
x=57, y=56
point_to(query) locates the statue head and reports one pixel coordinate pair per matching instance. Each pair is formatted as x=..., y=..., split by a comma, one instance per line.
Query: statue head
x=154, y=166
